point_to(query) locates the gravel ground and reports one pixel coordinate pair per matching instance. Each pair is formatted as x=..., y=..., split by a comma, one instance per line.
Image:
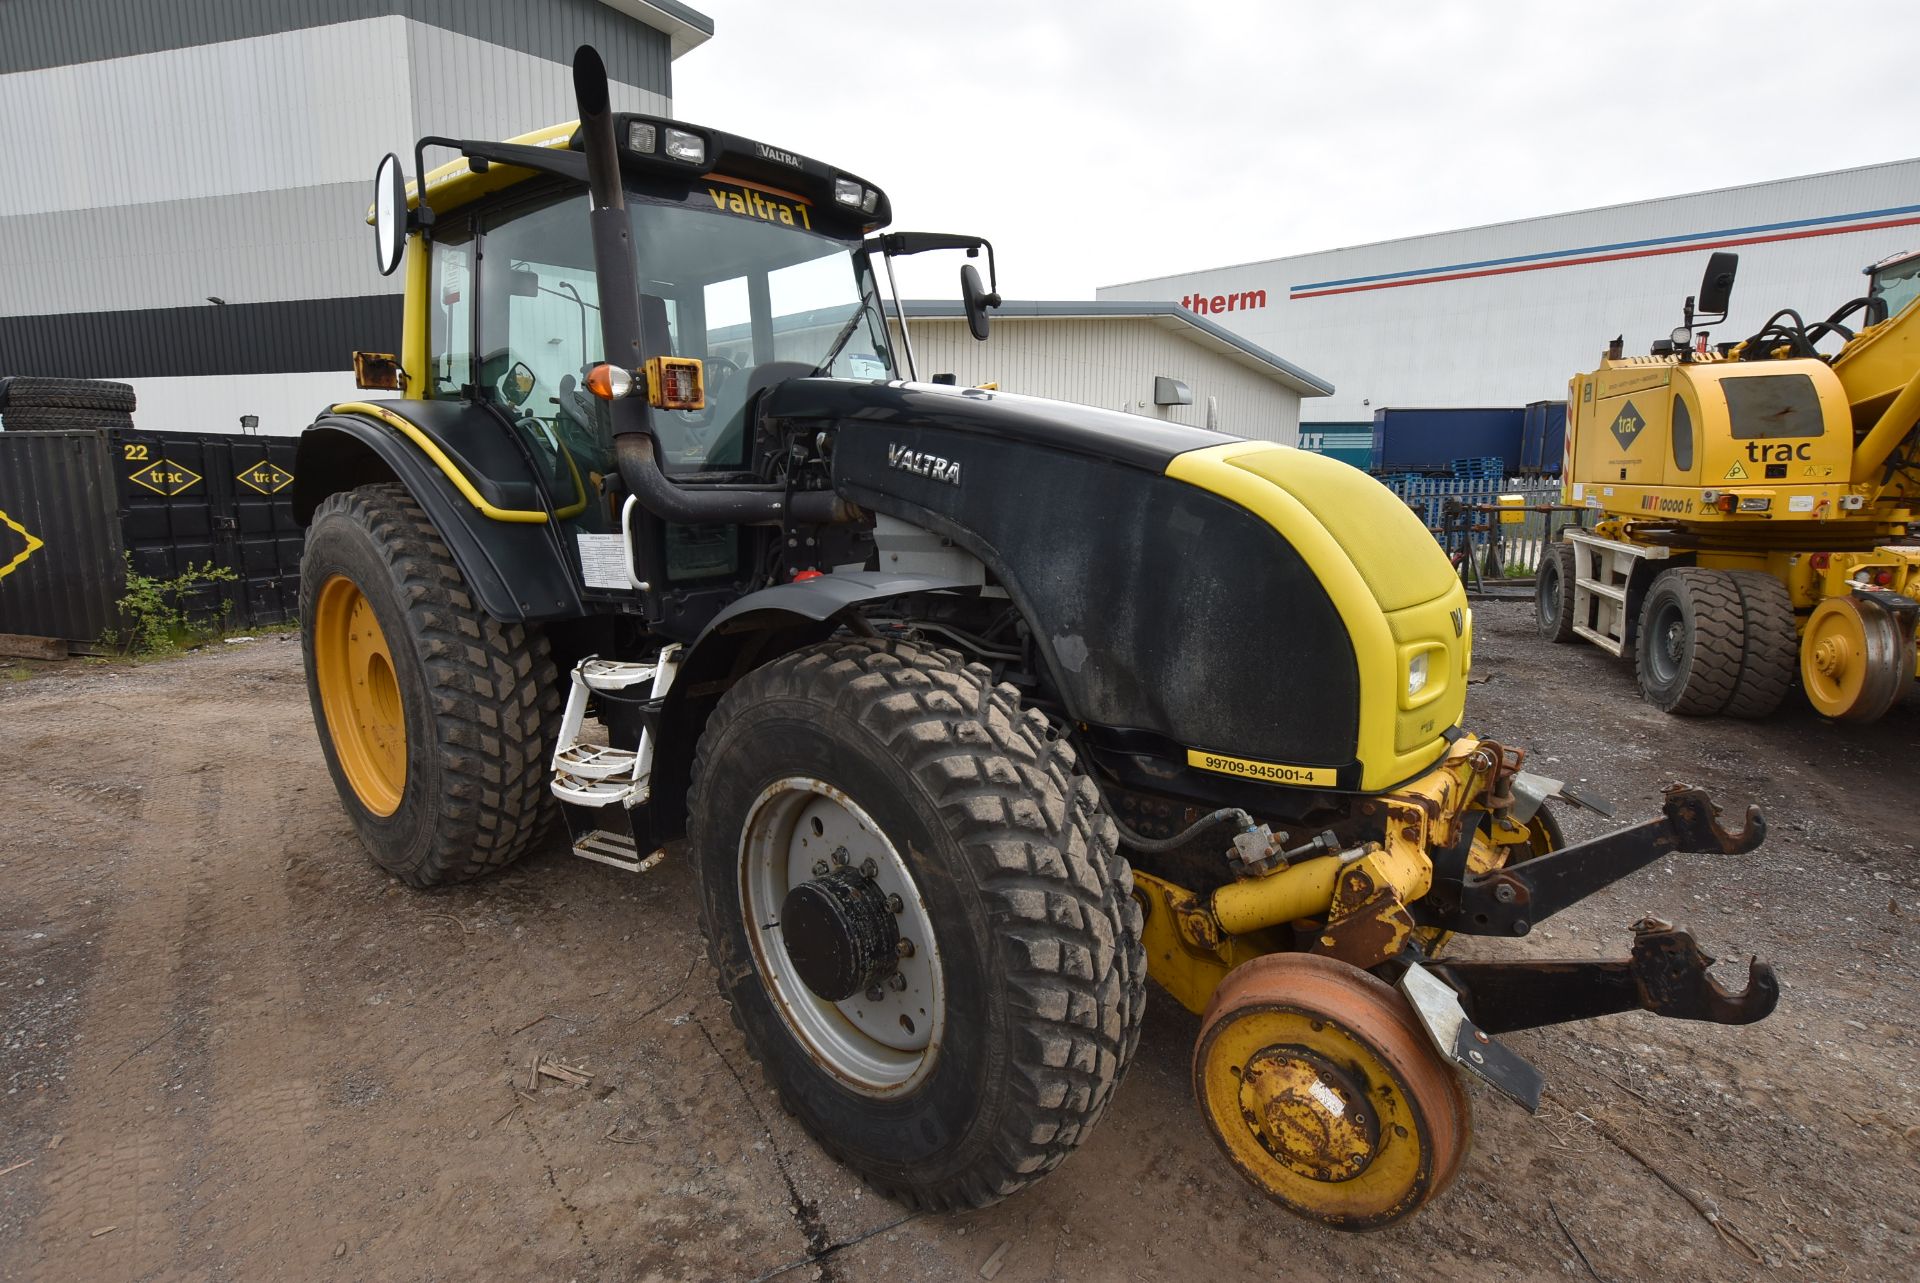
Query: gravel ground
x=230, y=1047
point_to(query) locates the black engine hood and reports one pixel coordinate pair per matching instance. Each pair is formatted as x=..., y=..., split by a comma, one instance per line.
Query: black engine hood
x=1108, y=434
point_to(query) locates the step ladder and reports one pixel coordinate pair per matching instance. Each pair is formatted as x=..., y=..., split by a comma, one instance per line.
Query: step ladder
x=606, y=775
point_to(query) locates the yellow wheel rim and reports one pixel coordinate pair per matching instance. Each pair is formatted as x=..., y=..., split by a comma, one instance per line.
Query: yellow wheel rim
x=1322, y=1093
x=360, y=696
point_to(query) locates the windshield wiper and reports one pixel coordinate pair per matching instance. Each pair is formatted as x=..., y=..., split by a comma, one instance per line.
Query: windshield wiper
x=840, y=339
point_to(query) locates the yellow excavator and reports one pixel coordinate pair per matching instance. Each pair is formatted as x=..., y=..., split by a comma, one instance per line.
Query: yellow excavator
x=1754, y=500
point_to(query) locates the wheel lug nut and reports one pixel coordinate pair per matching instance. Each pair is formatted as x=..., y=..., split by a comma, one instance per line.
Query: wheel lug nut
x=819, y=868
x=898, y=981
x=868, y=868
x=895, y=905
x=876, y=994
x=840, y=856
x=904, y=948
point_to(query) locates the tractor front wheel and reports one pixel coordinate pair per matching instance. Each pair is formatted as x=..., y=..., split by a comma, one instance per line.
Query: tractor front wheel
x=436, y=721
x=919, y=915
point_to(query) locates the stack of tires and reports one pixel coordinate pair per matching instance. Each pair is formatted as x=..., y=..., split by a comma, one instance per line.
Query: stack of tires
x=31, y=404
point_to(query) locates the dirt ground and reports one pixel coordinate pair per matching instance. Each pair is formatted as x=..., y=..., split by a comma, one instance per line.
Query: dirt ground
x=233, y=1048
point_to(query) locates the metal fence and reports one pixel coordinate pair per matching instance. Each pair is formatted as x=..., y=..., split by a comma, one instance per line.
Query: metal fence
x=1461, y=511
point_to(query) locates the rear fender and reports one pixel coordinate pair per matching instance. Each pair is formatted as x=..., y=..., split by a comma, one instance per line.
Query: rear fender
x=755, y=630
x=517, y=572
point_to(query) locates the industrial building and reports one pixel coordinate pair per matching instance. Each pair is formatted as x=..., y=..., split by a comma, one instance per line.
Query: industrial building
x=187, y=182
x=1152, y=359
x=1503, y=315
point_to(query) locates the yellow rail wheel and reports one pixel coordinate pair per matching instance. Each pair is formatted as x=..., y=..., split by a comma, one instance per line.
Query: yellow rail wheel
x=437, y=721
x=1854, y=663
x=1321, y=1087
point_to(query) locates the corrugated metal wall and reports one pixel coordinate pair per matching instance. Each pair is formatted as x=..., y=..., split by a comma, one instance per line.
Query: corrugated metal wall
x=1517, y=333
x=159, y=155
x=1109, y=363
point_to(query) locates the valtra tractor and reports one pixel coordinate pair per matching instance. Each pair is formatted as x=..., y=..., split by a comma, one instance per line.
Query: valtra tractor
x=974, y=710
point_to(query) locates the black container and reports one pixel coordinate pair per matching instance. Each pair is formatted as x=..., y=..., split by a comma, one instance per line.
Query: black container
x=169, y=501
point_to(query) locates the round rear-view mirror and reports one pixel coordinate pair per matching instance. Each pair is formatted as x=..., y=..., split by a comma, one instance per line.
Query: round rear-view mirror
x=389, y=214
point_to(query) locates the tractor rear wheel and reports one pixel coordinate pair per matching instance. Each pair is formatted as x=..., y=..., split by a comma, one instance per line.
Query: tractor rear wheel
x=1691, y=638
x=919, y=915
x=1320, y=1085
x=1553, y=593
x=436, y=721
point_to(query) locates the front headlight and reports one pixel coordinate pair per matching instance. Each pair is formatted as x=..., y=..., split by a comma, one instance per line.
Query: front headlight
x=1417, y=674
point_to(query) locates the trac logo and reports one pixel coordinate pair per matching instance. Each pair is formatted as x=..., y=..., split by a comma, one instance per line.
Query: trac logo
x=1208, y=304
x=1627, y=426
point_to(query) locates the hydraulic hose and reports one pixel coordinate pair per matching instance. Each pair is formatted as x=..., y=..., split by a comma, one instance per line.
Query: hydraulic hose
x=1160, y=846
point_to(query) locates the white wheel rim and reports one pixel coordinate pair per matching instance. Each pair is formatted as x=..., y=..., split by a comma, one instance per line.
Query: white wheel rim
x=878, y=1048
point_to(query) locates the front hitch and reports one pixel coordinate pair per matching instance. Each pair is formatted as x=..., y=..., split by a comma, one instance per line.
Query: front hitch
x=1508, y=901
x=1666, y=975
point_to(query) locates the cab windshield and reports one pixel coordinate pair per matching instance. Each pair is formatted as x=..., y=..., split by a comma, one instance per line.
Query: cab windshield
x=514, y=307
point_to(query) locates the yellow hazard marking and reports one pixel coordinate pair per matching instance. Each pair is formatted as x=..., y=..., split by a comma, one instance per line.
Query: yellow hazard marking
x=166, y=478
x=34, y=544
x=267, y=478
x=1271, y=772
x=1736, y=472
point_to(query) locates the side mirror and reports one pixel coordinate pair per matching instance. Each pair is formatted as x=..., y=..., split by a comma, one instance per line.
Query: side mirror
x=974, y=296
x=517, y=385
x=389, y=214
x=1716, y=287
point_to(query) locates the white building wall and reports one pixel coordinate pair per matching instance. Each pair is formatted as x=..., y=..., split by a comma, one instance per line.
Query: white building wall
x=1111, y=363
x=1506, y=333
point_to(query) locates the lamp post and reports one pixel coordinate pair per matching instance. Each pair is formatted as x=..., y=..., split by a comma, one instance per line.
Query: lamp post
x=249, y=425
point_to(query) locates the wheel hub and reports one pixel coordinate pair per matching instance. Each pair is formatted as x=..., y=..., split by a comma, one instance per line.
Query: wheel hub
x=839, y=934
x=1308, y=1113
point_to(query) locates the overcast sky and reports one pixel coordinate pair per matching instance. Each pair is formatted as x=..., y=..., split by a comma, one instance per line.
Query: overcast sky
x=1095, y=143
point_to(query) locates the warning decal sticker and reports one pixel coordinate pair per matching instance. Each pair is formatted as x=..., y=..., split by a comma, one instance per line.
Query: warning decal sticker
x=1736, y=472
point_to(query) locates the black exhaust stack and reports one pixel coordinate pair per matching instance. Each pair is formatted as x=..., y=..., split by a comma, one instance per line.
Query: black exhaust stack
x=635, y=447
x=613, y=256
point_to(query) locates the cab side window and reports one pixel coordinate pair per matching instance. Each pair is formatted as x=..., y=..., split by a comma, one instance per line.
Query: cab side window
x=450, y=314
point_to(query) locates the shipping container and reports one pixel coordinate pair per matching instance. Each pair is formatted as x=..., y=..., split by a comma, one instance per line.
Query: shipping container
x=1429, y=440
x=1543, y=438
x=77, y=507
x=1350, y=443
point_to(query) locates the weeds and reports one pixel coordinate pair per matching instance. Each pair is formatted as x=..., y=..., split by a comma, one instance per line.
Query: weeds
x=154, y=613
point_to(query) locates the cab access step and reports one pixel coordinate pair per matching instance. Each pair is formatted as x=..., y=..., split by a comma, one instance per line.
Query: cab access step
x=602, y=784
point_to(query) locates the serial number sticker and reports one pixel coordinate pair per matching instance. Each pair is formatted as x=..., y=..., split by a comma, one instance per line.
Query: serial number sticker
x=603, y=562
x=1272, y=772
x=1800, y=503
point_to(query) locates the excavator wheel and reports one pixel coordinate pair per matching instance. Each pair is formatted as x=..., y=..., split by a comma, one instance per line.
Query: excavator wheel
x=436, y=721
x=1769, y=648
x=1322, y=1088
x=1854, y=662
x=1691, y=638
x=1553, y=593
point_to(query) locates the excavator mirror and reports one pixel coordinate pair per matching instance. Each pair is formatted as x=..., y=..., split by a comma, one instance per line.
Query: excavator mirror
x=1716, y=287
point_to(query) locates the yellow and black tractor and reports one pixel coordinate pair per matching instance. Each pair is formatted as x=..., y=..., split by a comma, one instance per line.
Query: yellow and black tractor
x=974, y=710
x=1754, y=505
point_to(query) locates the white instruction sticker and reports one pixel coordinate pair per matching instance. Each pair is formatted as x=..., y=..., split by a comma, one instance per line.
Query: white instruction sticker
x=1800, y=503
x=1579, y=490
x=603, y=562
